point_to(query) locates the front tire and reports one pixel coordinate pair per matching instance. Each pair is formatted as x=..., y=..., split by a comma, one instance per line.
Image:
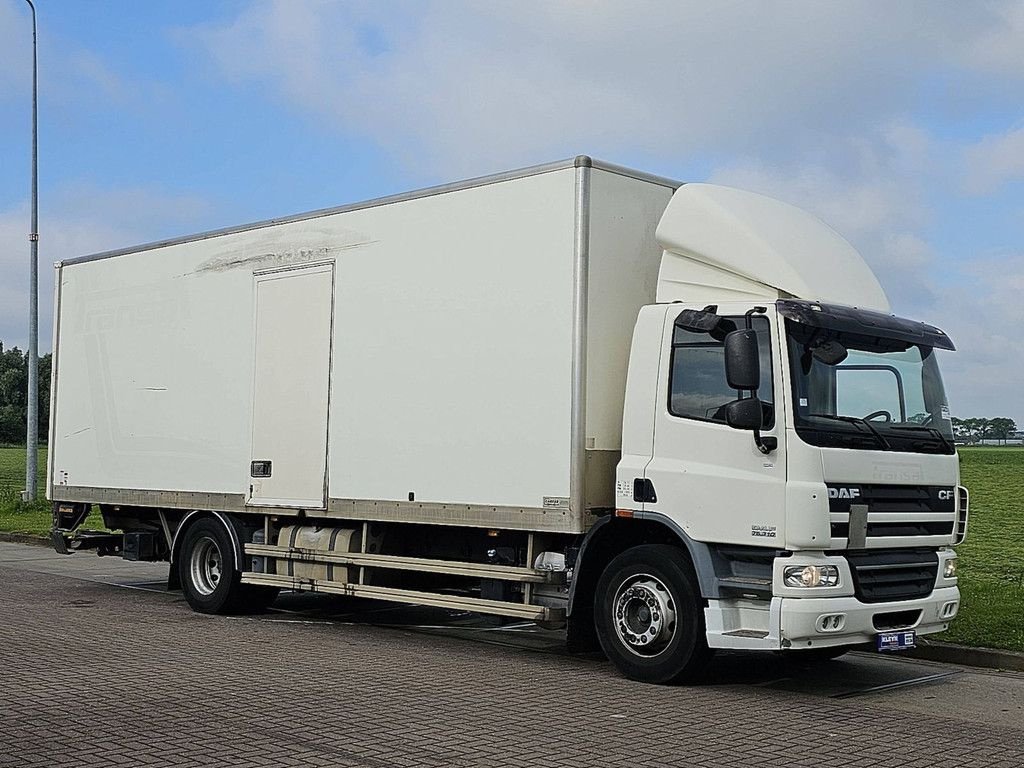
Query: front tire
x=649, y=616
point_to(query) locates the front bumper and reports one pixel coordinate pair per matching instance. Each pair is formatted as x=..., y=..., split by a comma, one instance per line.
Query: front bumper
x=830, y=621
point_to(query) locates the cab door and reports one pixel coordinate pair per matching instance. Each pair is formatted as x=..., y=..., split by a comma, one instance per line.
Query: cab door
x=710, y=478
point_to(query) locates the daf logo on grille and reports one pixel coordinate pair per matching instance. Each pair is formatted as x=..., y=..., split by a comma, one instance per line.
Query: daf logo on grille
x=844, y=493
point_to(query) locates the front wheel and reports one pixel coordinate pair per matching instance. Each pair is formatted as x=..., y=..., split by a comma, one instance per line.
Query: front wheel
x=649, y=617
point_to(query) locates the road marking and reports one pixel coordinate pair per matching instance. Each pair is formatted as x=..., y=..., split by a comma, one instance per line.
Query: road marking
x=891, y=686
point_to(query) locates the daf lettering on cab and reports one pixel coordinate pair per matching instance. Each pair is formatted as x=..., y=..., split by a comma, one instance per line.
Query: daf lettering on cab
x=669, y=417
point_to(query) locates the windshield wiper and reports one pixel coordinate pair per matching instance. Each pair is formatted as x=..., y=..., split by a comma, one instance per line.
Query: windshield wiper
x=857, y=420
x=934, y=432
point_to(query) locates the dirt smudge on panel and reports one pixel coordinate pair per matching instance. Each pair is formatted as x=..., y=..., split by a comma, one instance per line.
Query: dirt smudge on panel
x=268, y=259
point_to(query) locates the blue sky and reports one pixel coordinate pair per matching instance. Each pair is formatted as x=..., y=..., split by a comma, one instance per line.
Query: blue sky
x=901, y=125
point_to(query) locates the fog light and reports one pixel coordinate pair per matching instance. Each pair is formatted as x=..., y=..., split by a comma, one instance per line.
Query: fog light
x=949, y=569
x=832, y=622
x=811, y=575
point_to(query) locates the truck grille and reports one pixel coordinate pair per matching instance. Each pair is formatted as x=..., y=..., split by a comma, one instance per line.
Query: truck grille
x=882, y=576
x=842, y=530
x=893, y=511
x=891, y=498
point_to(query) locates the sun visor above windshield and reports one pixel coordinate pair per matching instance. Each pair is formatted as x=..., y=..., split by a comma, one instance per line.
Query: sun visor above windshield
x=864, y=322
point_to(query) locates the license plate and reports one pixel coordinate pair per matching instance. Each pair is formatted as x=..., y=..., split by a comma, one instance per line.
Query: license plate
x=896, y=641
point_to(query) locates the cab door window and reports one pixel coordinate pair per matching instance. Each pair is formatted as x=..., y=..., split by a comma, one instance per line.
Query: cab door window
x=697, y=385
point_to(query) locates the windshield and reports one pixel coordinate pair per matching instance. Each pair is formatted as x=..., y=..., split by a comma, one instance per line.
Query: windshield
x=859, y=391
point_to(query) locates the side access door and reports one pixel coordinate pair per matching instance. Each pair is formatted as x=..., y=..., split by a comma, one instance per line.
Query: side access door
x=291, y=385
x=710, y=478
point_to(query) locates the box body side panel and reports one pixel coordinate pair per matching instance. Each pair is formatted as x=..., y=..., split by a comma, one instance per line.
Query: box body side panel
x=451, y=359
x=152, y=382
x=452, y=349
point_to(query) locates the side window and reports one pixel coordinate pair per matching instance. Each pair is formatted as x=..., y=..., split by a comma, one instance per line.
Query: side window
x=697, y=385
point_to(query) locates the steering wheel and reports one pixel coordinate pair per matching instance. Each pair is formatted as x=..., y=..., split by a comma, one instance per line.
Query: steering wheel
x=877, y=414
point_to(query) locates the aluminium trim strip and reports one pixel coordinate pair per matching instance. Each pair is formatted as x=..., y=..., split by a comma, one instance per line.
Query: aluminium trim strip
x=401, y=197
x=631, y=173
x=393, y=594
x=578, y=407
x=581, y=161
x=54, y=369
x=385, y=511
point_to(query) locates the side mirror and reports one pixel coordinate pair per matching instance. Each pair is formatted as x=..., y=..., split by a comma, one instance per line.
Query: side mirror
x=745, y=414
x=742, y=360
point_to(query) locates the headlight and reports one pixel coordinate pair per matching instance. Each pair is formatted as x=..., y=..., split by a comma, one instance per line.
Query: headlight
x=811, y=575
x=949, y=569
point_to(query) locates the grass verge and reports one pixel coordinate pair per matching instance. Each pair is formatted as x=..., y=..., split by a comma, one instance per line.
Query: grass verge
x=34, y=517
x=991, y=559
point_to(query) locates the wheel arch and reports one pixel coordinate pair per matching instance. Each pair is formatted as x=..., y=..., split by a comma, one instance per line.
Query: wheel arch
x=610, y=536
x=232, y=526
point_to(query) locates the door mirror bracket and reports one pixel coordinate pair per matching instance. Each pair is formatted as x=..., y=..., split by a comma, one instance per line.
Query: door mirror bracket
x=743, y=372
x=748, y=413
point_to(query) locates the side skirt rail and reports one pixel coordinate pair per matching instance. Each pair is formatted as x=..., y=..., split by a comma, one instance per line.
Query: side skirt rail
x=459, y=602
x=396, y=562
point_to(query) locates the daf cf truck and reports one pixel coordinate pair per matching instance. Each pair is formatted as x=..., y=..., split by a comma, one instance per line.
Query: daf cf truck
x=670, y=417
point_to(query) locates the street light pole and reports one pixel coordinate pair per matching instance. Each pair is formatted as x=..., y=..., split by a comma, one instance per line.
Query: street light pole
x=33, y=308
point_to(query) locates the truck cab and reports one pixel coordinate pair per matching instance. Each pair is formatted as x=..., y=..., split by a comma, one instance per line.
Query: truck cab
x=796, y=439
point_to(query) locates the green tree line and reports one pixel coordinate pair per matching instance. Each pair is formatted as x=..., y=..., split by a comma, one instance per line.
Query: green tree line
x=974, y=430
x=14, y=396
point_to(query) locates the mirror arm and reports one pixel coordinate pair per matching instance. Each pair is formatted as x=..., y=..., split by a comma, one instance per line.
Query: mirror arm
x=747, y=321
x=765, y=444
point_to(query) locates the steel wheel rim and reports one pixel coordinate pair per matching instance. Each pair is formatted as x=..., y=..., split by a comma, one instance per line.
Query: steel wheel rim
x=206, y=566
x=644, y=615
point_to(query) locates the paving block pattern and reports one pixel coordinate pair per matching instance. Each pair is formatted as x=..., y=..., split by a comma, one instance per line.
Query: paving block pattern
x=93, y=675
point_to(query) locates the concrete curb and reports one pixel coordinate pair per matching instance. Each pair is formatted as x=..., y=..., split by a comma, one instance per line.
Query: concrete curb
x=25, y=538
x=950, y=653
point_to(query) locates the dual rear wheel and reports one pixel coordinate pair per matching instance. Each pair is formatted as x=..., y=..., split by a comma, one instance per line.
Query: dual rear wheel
x=209, y=574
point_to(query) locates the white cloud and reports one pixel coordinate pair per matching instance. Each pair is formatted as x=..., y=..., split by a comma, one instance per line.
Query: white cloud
x=983, y=314
x=997, y=48
x=461, y=87
x=79, y=220
x=995, y=160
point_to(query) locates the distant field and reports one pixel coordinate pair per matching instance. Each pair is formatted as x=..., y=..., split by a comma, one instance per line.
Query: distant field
x=16, y=516
x=991, y=560
x=12, y=468
x=992, y=557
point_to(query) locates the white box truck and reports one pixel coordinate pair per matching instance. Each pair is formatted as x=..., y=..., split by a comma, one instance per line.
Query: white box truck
x=675, y=417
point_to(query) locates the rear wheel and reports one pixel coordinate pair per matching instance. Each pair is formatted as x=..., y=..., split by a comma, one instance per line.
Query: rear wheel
x=209, y=576
x=649, y=617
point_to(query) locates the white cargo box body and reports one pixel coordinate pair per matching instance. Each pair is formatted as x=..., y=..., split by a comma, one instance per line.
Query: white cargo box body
x=453, y=356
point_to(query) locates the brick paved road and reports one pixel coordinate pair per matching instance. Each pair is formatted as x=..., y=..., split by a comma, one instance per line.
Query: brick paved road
x=94, y=674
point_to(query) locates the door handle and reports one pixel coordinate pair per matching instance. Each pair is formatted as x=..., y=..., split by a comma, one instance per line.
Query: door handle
x=643, y=491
